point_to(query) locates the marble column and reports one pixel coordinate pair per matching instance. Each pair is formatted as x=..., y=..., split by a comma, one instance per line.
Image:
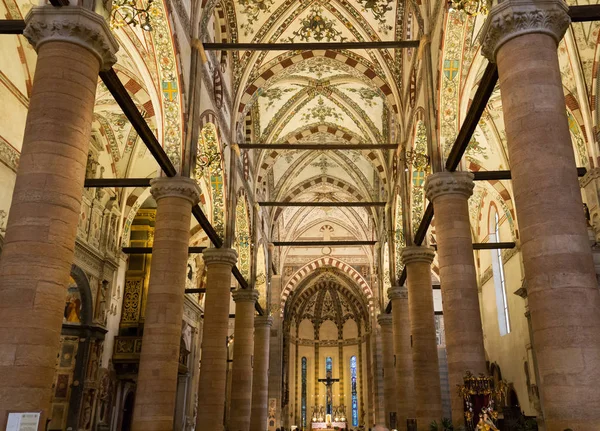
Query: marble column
x=260, y=375
x=243, y=351
x=405, y=402
x=428, y=395
x=450, y=192
x=389, y=373
x=213, y=362
x=73, y=45
x=521, y=36
x=159, y=360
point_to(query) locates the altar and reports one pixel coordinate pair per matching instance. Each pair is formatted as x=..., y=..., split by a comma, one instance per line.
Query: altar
x=328, y=426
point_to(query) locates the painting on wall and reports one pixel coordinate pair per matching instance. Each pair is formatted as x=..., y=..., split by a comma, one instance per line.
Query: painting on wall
x=72, y=312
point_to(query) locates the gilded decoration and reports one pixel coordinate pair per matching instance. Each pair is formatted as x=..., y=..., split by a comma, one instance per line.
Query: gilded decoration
x=131, y=301
x=209, y=166
x=242, y=236
x=317, y=27
x=420, y=170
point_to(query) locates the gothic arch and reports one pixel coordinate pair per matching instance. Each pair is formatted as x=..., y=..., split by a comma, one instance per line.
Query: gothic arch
x=319, y=263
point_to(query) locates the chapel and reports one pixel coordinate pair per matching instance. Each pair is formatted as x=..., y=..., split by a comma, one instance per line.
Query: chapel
x=277, y=215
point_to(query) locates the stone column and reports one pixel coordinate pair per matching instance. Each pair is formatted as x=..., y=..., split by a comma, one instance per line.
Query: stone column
x=389, y=374
x=449, y=192
x=405, y=403
x=73, y=45
x=564, y=300
x=428, y=395
x=243, y=351
x=260, y=376
x=213, y=362
x=156, y=392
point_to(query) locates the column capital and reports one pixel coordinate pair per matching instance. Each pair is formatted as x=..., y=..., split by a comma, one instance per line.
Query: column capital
x=178, y=187
x=397, y=292
x=245, y=295
x=384, y=319
x=417, y=253
x=513, y=18
x=443, y=183
x=263, y=321
x=73, y=24
x=220, y=255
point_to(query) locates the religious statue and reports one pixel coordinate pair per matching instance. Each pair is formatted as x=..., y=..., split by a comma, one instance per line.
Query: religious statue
x=72, y=309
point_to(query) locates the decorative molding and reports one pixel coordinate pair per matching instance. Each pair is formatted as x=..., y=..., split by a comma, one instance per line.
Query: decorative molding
x=9, y=155
x=245, y=295
x=513, y=18
x=75, y=25
x=219, y=256
x=397, y=292
x=591, y=175
x=179, y=187
x=443, y=183
x=417, y=254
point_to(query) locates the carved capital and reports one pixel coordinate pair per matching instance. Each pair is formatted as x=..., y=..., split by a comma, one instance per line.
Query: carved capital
x=245, y=295
x=178, y=187
x=591, y=175
x=227, y=256
x=417, y=254
x=397, y=292
x=514, y=18
x=384, y=319
x=263, y=321
x=75, y=25
x=443, y=183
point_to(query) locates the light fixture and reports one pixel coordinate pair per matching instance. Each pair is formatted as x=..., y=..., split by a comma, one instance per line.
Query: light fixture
x=471, y=7
x=129, y=12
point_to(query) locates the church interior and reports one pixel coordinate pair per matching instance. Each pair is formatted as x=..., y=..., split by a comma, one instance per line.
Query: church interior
x=269, y=215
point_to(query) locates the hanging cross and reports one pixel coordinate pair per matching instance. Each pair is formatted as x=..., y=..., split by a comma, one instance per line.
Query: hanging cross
x=328, y=381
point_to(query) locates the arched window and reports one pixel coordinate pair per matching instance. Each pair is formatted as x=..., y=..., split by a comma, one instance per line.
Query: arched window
x=353, y=391
x=498, y=272
x=328, y=375
x=303, y=405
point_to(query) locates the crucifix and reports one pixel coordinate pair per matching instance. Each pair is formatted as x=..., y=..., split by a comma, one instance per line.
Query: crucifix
x=329, y=381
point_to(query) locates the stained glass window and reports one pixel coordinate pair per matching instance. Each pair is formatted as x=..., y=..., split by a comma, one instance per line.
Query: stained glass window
x=303, y=392
x=353, y=389
x=328, y=375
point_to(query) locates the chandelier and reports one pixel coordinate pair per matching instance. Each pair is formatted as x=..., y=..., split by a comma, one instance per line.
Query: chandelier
x=127, y=12
x=471, y=7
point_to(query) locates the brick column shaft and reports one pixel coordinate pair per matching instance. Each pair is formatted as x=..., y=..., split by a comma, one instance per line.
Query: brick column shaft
x=42, y=224
x=213, y=362
x=389, y=373
x=428, y=395
x=260, y=377
x=449, y=192
x=156, y=391
x=564, y=300
x=405, y=392
x=243, y=350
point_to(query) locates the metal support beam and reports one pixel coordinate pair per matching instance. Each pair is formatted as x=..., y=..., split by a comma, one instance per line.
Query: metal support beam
x=584, y=13
x=148, y=250
x=322, y=243
x=310, y=46
x=506, y=175
x=482, y=96
x=118, y=91
x=322, y=204
x=203, y=290
x=489, y=245
x=116, y=182
x=318, y=147
x=12, y=26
